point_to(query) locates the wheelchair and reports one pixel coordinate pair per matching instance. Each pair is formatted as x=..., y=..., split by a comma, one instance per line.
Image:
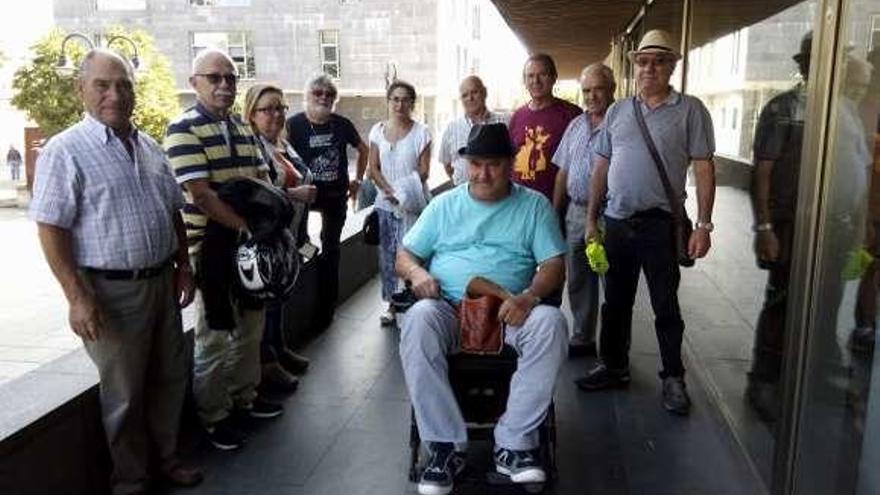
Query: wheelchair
x=481, y=384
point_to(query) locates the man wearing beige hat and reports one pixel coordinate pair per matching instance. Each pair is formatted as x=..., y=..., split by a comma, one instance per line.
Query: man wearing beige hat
x=638, y=216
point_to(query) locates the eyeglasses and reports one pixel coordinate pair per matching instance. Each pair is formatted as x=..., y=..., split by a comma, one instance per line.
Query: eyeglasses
x=396, y=99
x=214, y=78
x=282, y=109
x=318, y=93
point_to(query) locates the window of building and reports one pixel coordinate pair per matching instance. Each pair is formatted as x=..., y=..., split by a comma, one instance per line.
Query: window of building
x=220, y=3
x=121, y=4
x=734, y=53
x=475, y=19
x=329, y=40
x=875, y=32
x=237, y=44
x=734, y=120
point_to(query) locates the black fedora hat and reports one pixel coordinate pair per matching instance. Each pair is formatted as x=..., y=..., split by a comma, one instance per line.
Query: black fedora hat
x=488, y=140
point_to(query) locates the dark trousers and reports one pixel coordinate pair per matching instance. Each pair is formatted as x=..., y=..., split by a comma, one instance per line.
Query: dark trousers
x=273, y=333
x=770, y=329
x=333, y=210
x=641, y=243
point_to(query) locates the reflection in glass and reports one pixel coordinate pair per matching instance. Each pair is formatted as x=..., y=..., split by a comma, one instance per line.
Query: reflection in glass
x=839, y=445
x=749, y=65
x=777, y=151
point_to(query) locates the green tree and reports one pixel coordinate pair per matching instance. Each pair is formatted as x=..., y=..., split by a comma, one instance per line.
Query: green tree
x=50, y=98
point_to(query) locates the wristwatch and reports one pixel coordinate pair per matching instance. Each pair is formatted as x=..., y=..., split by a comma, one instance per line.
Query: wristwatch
x=707, y=226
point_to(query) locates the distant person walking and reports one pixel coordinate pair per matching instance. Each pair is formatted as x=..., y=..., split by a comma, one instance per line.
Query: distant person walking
x=13, y=159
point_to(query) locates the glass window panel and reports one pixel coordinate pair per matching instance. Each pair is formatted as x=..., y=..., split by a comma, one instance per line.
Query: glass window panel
x=839, y=434
x=236, y=44
x=742, y=66
x=330, y=53
x=329, y=36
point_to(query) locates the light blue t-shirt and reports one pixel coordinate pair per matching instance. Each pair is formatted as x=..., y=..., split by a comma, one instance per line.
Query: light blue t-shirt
x=503, y=241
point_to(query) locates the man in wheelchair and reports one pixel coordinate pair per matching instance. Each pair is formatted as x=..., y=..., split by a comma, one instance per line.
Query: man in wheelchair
x=507, y=234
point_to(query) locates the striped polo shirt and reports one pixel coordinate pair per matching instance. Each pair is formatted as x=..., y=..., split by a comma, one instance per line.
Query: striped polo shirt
x=201, y=146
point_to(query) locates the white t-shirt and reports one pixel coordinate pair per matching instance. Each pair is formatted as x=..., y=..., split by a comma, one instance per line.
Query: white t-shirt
x=398, y=160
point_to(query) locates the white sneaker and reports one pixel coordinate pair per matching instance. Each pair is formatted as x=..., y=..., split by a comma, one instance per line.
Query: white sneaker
x=387, y=318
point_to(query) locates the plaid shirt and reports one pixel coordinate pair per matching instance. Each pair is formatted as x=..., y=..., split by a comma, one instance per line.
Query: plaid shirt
x=119, y=208
x=575, y=155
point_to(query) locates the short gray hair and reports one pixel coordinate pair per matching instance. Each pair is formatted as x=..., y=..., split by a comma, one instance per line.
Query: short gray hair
x=210, y=52
x=86, y=65
x=321, y=81
x=601, y=70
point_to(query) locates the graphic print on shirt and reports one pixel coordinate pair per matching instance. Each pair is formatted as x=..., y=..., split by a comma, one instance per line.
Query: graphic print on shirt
x=531, y=157
x=325, y=164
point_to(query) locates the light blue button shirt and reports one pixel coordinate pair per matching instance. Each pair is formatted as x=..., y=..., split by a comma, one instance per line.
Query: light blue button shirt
x=575, y=155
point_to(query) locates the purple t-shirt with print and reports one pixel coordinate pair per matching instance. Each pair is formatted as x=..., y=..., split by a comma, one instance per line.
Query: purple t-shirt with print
x=535, y=135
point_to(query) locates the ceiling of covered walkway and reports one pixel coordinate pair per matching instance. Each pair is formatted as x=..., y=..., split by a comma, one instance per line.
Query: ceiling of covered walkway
x=577, y=32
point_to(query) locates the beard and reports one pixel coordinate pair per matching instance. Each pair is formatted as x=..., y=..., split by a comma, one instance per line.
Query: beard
x=319, y=112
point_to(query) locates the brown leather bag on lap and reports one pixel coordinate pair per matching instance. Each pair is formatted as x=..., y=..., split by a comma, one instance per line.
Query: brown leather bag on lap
x=481, y=332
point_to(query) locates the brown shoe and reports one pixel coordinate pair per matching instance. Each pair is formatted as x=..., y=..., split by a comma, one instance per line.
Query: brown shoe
x=177, y=473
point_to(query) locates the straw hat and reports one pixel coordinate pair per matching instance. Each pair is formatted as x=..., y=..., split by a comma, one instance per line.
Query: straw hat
x=655, y=41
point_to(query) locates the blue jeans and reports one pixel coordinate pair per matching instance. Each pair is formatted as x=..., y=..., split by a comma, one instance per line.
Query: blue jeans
x=390, y=235
x=642, y=242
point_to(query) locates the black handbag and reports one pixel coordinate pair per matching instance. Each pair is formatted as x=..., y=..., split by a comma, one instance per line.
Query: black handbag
x=371, y=228
x=682, y=227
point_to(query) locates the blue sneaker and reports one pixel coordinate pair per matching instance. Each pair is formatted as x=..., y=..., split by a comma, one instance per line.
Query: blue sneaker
x=445, y=464
x=520, y=465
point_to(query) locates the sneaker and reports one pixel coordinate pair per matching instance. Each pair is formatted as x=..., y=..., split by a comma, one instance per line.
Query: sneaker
x=275, y=378
x=445, y=464
x=601, y=377
x=675, y=396
x=223, y=435
x=293, y=362
x=521, y=466
x=262, y=409
x=387, y=318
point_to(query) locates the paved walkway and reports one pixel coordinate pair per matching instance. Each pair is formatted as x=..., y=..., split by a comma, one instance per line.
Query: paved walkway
x=345, y=430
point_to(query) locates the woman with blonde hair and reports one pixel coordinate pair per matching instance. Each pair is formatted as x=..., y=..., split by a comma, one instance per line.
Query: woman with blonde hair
x=265, y=110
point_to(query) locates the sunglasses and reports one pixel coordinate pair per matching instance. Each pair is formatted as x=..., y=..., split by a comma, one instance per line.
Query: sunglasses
x=282, y=109
x=318, y=93
x=655, y=62
x=214, y=78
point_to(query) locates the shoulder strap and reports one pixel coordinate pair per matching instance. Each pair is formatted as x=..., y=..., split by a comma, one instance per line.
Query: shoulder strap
x=674, y=203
